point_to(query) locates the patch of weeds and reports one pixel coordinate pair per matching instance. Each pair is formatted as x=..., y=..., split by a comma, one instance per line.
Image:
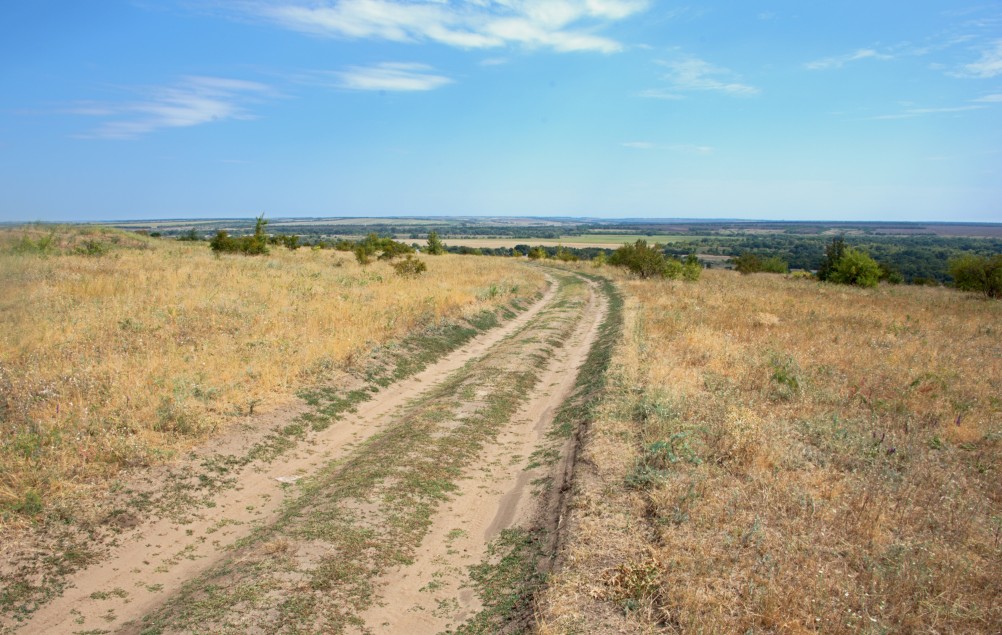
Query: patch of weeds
x=506, y=583
x=785, y=376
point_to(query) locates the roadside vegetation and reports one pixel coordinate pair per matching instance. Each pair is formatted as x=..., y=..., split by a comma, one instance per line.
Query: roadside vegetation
x=119, y=350
x=775, y=455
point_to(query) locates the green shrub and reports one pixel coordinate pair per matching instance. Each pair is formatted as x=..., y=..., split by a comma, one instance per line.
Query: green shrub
x=856, y=268
x=253, y=245
x=537, y=253
x=410, y=267
x=978, y=273
x=749, y=262
x=92, y=248
x=435, y=246
x=648, y=261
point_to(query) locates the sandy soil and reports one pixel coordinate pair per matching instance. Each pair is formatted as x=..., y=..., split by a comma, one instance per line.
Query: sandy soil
x=432, y=594
x=153, y=559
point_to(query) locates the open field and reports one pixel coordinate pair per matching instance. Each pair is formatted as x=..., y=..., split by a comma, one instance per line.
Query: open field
x=782, y=456
x=126, y=357
x=297, y=443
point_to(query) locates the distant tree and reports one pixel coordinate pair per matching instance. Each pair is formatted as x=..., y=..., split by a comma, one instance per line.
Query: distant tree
x=833, y=254
x=980, y=274
x=747, y=262
x=537, y=253
x=435, y=246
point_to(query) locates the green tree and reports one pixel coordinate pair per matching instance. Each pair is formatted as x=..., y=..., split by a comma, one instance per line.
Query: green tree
x=435, y=246
x=537, y=253
x=855, y=267
x=980, y=274
x=833, y=254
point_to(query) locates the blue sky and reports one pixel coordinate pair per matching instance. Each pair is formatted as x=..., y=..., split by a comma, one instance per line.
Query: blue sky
x=115, y=109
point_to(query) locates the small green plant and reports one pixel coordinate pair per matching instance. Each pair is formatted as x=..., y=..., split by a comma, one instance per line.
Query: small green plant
x=435, y=246
x=43, y=246
x=410, y=267
x=92, y=248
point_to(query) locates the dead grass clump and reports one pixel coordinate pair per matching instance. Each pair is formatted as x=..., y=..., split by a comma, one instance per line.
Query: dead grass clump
x=125, y=359
x=811, y=459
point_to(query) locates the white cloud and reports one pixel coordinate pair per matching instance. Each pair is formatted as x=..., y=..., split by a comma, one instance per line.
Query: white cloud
x=694, y=74
x=839, y=61
x=656, y=93
x=639, y=145
x=990, y=99
x=191, y=102
x=911, y=113
x=562, y=25
x=390, y=76
x=687, y=148
x=990, y=64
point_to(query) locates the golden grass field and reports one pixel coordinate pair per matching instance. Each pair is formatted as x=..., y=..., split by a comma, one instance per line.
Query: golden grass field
x=784, y=456
x=122, y=359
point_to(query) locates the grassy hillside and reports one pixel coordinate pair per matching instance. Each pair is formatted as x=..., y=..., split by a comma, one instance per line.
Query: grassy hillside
x=784, y=456
x=117, y=350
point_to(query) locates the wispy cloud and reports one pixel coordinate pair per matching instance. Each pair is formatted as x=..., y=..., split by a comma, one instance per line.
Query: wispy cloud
x=990, y=99
x=693, y=74
x=657, y=93
x=687, y=148
x=911, y=113
x=639, y=145
x=839, y=61
x=561, y=25
x=191, y=102
x=392, y=76
x=990, y=64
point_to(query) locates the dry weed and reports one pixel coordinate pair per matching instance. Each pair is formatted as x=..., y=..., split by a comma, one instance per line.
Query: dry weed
x=117, y=350
x=812, y=458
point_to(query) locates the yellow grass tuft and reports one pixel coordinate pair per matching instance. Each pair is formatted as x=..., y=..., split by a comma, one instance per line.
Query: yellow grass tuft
x=143, y=348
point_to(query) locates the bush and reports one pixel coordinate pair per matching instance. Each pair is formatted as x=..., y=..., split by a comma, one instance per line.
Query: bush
x=253, y=245
x=649, y=261
x=749, y=262
x=856, y=268
x=410, y=267
x=978, y=273
x=833, y=254
x=537, y=253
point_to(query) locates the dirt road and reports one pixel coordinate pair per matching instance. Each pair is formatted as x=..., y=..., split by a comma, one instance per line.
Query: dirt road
x=392, y=520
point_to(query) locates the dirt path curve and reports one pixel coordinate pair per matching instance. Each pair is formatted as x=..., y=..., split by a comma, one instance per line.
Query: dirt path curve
x=153, y=561
x=433, y=593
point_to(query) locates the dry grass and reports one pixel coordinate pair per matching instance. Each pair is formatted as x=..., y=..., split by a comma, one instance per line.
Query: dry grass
x=783, y=456
x=124, y=358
